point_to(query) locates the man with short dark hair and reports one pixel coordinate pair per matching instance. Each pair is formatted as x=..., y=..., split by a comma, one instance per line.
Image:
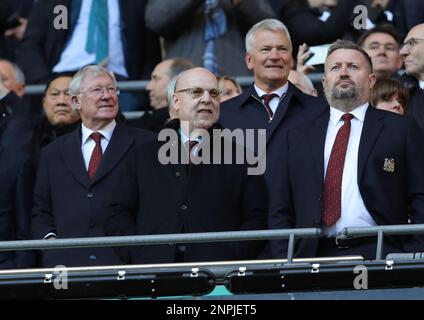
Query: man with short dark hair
x=347, y=169
x=382, y=45
x=78, y=171
x=163, y=73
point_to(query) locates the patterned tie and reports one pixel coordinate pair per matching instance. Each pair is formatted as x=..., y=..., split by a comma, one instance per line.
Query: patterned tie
x=189, y=145
x=267, y=98
x=97, y=154
x=333, y=179
x=98, y=31
x=215, y=26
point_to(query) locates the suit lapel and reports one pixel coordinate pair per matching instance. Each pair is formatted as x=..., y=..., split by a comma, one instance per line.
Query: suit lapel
x=317, y=137
x=370, y=131
x=118, y=146
x=72, y=156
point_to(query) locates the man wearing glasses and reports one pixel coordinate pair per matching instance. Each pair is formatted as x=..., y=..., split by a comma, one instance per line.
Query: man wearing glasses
x=413, y=58
x=192, y=196
x=78, y=171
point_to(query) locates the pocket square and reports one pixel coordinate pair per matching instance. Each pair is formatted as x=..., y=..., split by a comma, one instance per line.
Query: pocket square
x=389, y=165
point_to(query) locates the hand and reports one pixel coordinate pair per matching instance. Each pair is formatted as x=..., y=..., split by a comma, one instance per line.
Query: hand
x=19, y=31
x=302, y=56
x=379, y=3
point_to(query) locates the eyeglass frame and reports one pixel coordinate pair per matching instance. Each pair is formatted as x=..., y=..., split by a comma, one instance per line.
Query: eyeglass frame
x=410, y=43
x=100, y=94
x=191, y=93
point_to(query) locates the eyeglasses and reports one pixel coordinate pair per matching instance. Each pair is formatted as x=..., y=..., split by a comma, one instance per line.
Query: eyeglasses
x=99, y=91
x=410, y=43
x=198, y=92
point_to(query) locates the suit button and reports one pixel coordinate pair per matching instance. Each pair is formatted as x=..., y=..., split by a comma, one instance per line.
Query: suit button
x=93, y=257
x=90, y=195
x=183, y=207
x=178, y=174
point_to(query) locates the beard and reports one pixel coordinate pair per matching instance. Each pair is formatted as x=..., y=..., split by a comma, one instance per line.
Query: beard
x=344, y=99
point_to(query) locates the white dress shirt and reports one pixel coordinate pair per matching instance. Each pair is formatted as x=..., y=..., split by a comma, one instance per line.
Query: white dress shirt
x=74, y=56
x=353, y=211
x=88, y=144
x=275, y=101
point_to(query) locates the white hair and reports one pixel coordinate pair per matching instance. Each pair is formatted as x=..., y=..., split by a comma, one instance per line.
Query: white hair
x=267, y=24
x=77, y=80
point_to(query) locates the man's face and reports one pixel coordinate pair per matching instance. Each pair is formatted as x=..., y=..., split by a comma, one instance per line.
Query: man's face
x=7, y=75
x=157, y=86
x=57, y=103
x=200, y=109
x=348, y=80
x=384, y=52
x=270, y=59
x=412, y=52
x=98, y=101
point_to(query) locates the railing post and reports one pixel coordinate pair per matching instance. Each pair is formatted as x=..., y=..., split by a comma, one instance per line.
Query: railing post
x=380, y=245
x=290, y=248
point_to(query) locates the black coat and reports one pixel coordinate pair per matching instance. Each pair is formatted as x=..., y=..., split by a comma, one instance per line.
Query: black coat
x=43, y=44
x=388, y=196
x=176, y=198
x=16, y=188
x=69, y=204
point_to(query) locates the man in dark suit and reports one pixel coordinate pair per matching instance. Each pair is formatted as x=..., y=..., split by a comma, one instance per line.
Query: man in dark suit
x=353, y=166
x=16, y=185
x=269, y=56
x=132, y=52
x=201, y=195
x=411, y=52
x=78, y=171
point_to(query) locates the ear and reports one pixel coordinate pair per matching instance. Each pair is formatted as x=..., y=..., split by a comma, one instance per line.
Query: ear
x=248, y=58
x=176, y=101
x=75, y=101
x=372, y=79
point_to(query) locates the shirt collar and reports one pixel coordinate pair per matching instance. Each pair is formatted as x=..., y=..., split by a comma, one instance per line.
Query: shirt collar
x=185, y=138
x=421, y=84
x=358, y=113
x=106, y=131
x=280, y=91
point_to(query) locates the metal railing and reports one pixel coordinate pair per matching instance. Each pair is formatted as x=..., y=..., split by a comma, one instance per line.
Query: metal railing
x=291, y=234
x=141, y=85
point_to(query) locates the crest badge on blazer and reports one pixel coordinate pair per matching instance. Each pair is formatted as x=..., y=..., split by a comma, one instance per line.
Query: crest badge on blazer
x=389, y=165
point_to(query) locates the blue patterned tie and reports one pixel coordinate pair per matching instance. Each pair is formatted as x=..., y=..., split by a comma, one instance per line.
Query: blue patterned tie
x=98, y=27
x=216, y=25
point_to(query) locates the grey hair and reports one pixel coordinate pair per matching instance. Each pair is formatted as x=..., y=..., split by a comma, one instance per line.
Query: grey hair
x=267, y=24
x=78, y=79
x=19, y=75
x=17, y=71
x=179, y=65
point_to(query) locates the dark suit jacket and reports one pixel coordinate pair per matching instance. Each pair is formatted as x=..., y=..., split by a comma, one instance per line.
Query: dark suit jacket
x=43, y=44
x=387, y=195
x=202, y=198
x=16, y=187
x=69, y=204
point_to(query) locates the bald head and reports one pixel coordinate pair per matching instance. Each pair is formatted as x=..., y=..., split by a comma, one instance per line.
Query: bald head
x=196, y=99
x=411, y=52
x=302, y=82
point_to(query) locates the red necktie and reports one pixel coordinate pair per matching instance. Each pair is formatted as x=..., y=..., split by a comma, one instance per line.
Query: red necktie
x=267, y=98
x=97, y=154
x=333, y=179
x=189, y=145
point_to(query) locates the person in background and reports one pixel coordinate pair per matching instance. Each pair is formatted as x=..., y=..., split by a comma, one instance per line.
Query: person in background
x=228, y=87
x=302, y=81
x=390, y=95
